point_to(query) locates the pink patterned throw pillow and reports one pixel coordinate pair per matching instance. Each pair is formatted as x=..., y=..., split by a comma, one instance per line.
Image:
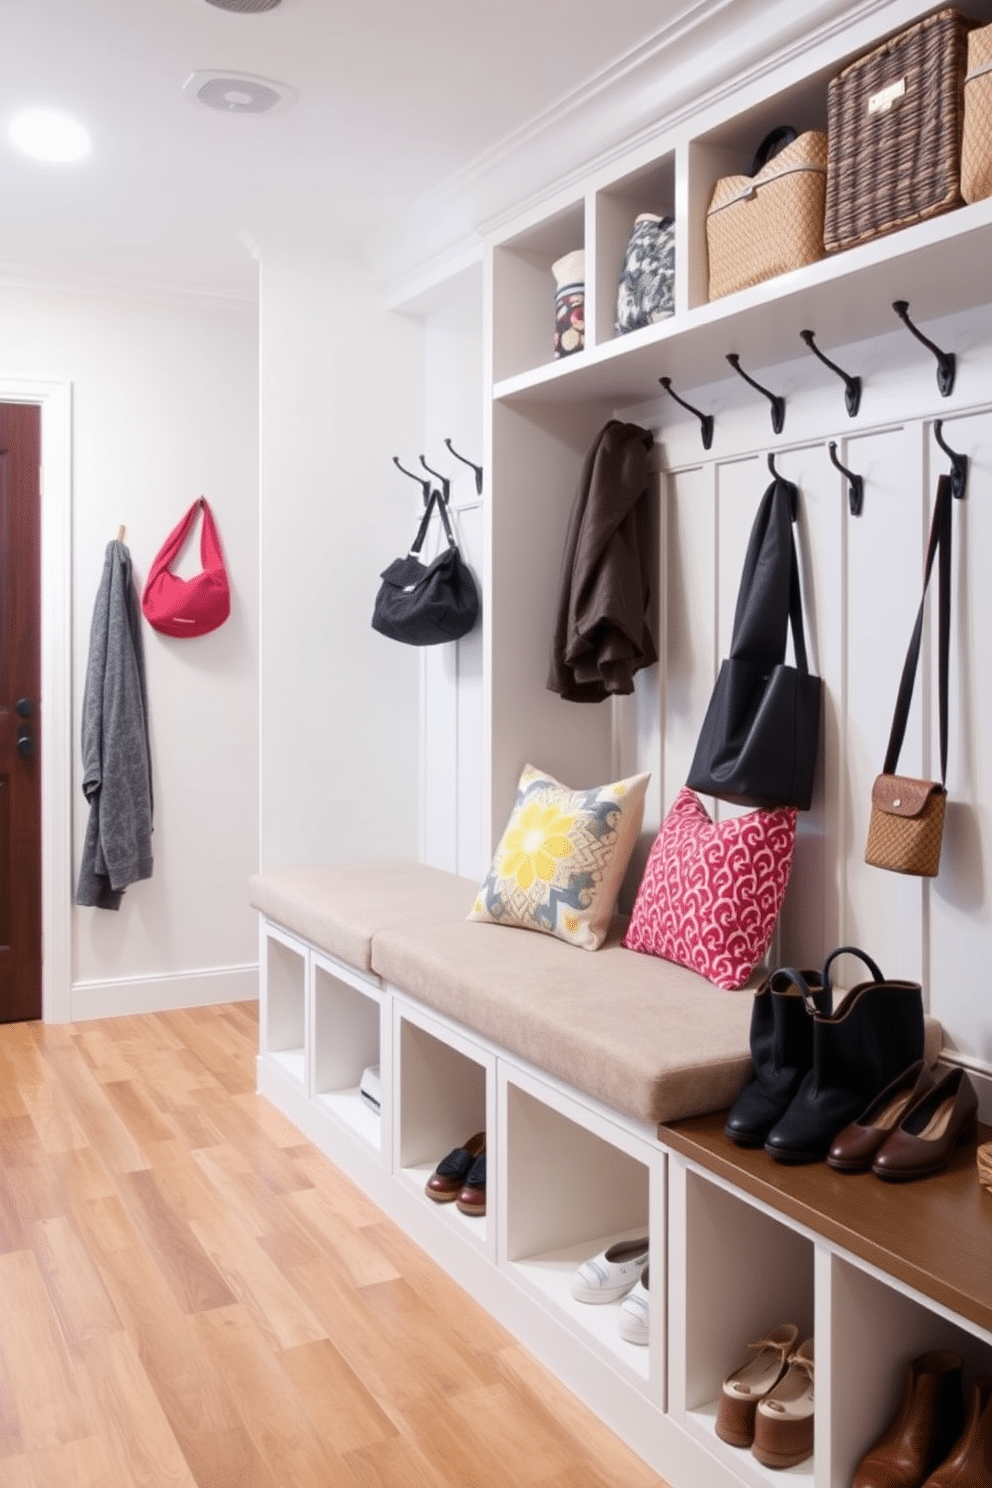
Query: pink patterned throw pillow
x=711, y=892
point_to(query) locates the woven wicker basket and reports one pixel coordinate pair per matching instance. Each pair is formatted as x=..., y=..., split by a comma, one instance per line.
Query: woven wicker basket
x=985, y=1165
x=894, y=125
x=976, y=147
x=763, y=225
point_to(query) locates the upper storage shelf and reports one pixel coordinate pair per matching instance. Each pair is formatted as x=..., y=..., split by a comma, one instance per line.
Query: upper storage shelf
x=934, y=265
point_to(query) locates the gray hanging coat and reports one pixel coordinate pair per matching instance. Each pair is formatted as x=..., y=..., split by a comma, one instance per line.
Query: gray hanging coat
x=117, y=774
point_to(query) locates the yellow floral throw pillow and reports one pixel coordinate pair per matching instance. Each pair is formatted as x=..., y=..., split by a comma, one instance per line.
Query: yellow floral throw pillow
x=561, y=860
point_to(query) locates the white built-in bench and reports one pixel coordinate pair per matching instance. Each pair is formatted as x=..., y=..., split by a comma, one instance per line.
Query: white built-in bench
x=569, y=1060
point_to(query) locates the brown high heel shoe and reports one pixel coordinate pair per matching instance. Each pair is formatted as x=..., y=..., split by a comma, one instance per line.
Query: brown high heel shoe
x=924, y=1428
x=970, y=1462
x=855, y=1148
x=922, y=1143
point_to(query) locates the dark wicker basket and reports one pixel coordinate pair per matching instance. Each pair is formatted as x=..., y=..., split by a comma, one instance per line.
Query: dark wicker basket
x=894, y=124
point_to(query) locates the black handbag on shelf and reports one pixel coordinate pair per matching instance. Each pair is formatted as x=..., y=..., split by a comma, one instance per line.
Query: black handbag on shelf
x=760, y=737
x=427, y=604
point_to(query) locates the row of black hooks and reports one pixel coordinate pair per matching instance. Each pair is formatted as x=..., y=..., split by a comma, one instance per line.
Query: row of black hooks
x=946, y=370
x=426, y=485
x=856, y=483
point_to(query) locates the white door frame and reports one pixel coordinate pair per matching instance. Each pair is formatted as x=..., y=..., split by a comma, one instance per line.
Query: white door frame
x=55, y=401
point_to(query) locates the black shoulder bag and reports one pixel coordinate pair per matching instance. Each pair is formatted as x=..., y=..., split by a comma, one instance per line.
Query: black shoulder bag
x=760, y=737
x=427, y=604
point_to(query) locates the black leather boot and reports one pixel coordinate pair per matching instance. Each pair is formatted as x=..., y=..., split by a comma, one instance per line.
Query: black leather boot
x=875, y=1034
x=781, y=1053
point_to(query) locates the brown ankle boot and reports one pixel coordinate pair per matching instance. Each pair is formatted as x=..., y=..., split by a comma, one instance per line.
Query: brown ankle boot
x=970, y=1462
x=923, y=1430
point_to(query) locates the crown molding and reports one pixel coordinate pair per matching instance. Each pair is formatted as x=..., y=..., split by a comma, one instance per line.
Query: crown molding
x=15, y=274
x=710, y=51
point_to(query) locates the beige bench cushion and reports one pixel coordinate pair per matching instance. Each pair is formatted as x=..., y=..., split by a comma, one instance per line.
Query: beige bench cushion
x=339, y=909
x=641, y=1035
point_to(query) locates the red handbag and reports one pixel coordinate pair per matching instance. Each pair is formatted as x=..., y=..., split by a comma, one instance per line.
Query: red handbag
x=188, y=607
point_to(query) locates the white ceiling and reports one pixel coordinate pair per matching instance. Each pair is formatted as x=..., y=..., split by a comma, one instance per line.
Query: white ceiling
x=394, y=99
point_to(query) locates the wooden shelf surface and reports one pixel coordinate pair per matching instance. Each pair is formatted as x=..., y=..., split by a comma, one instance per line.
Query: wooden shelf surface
x=934, y=1234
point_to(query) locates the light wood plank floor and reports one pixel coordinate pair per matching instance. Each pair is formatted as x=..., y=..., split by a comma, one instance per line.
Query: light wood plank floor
x=193, y=1297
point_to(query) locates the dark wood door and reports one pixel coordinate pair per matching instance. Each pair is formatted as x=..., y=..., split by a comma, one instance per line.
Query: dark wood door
x=20, y=712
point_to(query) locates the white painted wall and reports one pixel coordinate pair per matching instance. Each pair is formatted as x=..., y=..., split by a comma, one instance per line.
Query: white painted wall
x=452, y=697
x=164, y=398
x=341, y=393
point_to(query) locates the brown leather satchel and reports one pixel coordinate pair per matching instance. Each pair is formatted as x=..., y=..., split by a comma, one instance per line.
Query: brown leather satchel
x=907, y=815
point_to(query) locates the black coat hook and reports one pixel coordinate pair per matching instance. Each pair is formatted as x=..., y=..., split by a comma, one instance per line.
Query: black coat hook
x=946, y=360
x=476, y=468
x=792, y=488
x=959, y=463
x=445, y=482
x=856, y=487
x=852, y=385
x=425, y=485
x=778, y=404
x=705, y=419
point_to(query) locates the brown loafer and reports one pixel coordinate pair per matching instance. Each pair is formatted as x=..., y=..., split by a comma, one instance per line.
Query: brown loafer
x=922, y=1143
x=472, y=1195
x=854, y=1149
x=448, y=1177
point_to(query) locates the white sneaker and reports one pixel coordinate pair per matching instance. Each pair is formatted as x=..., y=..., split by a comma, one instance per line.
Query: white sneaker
x=632, y=1318
x=612, y=1273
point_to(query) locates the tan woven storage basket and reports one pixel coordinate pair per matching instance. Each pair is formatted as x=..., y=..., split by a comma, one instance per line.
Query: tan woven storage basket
x=894, y=123
x=763, y=225
x=976, y=147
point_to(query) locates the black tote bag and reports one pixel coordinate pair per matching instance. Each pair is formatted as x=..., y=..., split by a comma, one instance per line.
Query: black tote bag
x=427, y=604
x=760, y=737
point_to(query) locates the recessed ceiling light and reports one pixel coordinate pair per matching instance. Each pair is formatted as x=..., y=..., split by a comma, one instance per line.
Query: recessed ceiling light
x=49, y=136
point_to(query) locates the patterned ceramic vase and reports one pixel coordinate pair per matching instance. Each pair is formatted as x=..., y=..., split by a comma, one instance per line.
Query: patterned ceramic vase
x=646, y=291
x=570, y=302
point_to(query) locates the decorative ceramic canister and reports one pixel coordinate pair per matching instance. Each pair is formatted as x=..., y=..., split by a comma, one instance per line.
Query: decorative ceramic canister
x=570, y=302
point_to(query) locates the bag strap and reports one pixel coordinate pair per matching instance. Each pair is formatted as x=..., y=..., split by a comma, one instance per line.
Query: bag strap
x=174, y=542
x=940, y=538
x=442, y=507
x=796, y=613
x=425, y=522
x=775, y=140
x=769, y=599
x=436, y=499
x=211, y=557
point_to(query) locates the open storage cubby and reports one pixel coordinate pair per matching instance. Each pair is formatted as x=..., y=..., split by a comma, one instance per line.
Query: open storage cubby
x=524, y=291
x=284, y=996
x=729, y=149
x=743, y=1273
x=346, y=1038
x=444, y=1095
x=574, y=1186
x=876, y=1330
x=651, y=189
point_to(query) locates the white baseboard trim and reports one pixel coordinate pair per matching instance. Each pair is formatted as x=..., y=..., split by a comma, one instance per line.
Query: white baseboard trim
x=156, y=994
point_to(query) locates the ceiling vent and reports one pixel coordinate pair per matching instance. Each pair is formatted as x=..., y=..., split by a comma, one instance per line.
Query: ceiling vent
x=245, y=7
x=238, y=92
